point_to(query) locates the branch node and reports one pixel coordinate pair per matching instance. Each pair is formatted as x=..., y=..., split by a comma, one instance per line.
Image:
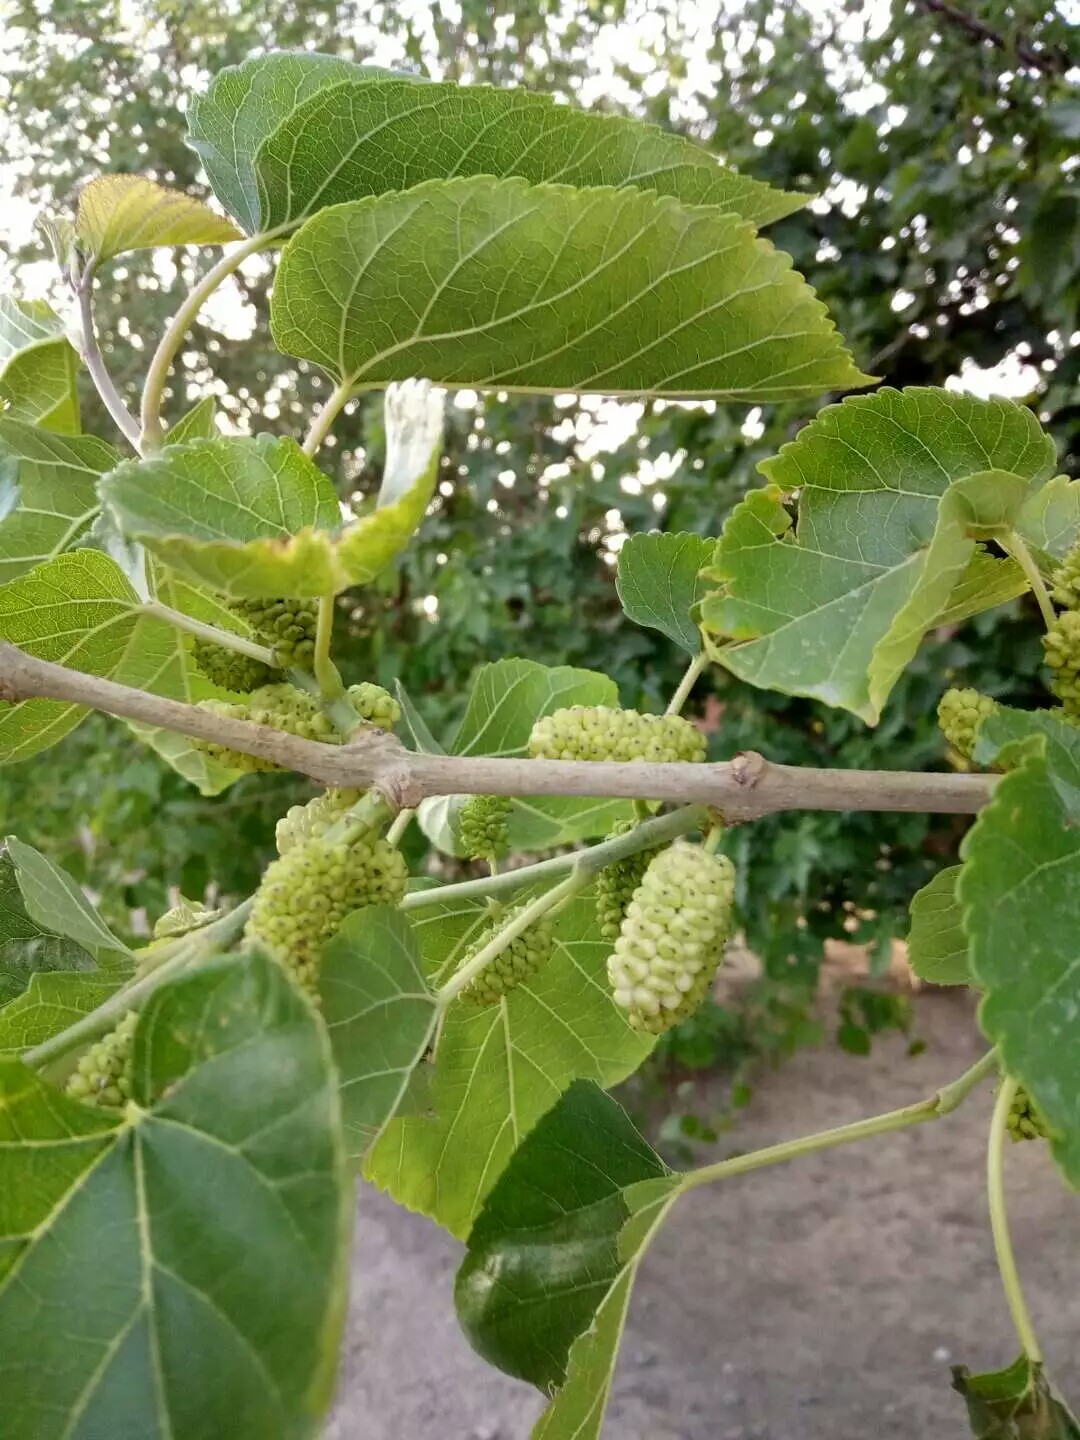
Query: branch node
x=401, y=787
x=747, y=768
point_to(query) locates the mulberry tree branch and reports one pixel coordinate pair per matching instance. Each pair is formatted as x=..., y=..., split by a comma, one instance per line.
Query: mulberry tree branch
x=741, y=789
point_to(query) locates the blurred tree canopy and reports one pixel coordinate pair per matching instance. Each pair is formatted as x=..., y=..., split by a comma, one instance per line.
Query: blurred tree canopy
x=945, y=234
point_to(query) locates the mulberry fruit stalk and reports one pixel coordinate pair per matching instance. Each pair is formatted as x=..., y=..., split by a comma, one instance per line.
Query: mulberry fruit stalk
x=104, y=1074
x=960, y=713
x=306, y=894
x=484, y=826
x=599, y=732
x=616, y=883
x=672, y=937
x=522, y=958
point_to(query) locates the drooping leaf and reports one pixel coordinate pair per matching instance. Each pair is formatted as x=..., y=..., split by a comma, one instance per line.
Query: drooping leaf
x=37, y=367
x=497, y=1071
x=1017, y=1403
x=893, y=491
x=659, y=582
x=937, y=945
x=166, y=1237
x=1050, y=520
x=544, y=1251
x=199, y=423
x=120, y=213
x=499, y=284
x=48, y=493
x=53, y=1000
x=379, y=1015
x=25, y=946
x=506, y=699
x=282, y=136
x=987, y=582
x=1020, y=878
x=54, y=901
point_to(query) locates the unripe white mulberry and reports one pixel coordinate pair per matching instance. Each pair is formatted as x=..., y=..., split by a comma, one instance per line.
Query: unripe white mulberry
x=516, y=964
x=306, y=894
x=484, y=826
x=228, y=668
x=598, y=732
x=287, y=626
x=960, y=713
x=105, y=1073
x=375, y=705
x=616, y=883
x=283, y=707
x=1061, y=645
x=1065, y=581
x=672, y=937
x=1023, y=1121
x=302, y=823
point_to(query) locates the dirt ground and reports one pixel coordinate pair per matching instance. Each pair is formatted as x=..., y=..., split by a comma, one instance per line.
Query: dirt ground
x=822, y=1300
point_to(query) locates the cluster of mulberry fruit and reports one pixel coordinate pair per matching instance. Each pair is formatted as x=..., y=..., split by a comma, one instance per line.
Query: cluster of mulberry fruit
x=302, y=823
x=960, y=713
x=1061, y=648
x=306, y=894
x=1023, y=1121
x=287, y=627
x=616, y=883
x=374, y=704
x=230, y=670
x=284, y=707
x=519, y=961
x=484, y=826
x=672, y=937
x=105, y=1073
x=598, y=732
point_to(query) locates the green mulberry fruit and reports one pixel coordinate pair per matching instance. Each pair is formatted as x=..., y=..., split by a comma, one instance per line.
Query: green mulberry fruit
x=616, y=883
x=1065, y=581
x=520, y=960
x=960, y=713
x=375, y=705
x=306, y=894
x=286, y=626
x=1061, y=644
x=485, y=826
x=105, y=1073
x=182, y=919
x=672, y=937
x=598, y=732
x=1023, y=1121
x=282, y=707
x=302, y=823
x=229, y=669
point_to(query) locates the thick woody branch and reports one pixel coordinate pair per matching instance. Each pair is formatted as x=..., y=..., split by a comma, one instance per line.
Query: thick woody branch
x=742, y=789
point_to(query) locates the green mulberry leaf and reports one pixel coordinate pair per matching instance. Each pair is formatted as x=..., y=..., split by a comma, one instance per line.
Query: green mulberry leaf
x=48, y=493
x=37, y=367
x=659, y=583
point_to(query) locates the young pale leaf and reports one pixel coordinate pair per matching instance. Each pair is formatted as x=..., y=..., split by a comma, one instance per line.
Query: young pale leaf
x=506, y=699
x=167, y=1237
x=321, y=132
x=52, y=1001
x=1050, y=519
x=199, y=423
x=659, y=583
x=48, y=493
x=501, y=284
x=893, y=489
x=1020, y=878
x=379, y=1015
x=119, y=213
x=414, y=722
x=1017, y=1403
x=544, y=1251
x=497, y=1071
x=55, y=901
x=37, y=367
x=25, y=946
x=937, y=945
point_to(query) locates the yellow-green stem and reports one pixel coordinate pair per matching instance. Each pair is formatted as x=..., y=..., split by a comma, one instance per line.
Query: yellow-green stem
x=154, y=388
x=999, y=1223
x=326, y=672
x=228, y=639
x=686, y=684
x=320, y=426
x=400, y=825
x=1018, y=549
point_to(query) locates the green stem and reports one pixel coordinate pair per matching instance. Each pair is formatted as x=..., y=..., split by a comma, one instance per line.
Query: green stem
x=999, y=1223
x=166, y=966
x=152, y=429
x=1023, y=557
x=643, y=837
x=228, y=639
x=94, y=361
x=326, y=672
x=532, y=912
x=943, y=1103
x=398, y=828
x=686, y=684
x=320, y=426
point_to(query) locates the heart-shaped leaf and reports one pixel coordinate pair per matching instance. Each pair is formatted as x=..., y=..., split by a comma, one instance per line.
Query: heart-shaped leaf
x=167, y=1236
x=500, y=284
x=659, y=582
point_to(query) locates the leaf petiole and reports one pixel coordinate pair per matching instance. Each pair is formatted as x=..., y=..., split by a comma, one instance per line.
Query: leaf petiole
x=1018, y=549
x=227, y=639
x=999, y=1223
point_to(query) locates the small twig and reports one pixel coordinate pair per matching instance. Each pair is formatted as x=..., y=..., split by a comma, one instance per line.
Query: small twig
x=94, y=361
x=228, y=639
x=741, y=789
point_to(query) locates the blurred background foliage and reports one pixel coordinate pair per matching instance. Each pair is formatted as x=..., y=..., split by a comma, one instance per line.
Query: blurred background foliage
x=945, y=238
